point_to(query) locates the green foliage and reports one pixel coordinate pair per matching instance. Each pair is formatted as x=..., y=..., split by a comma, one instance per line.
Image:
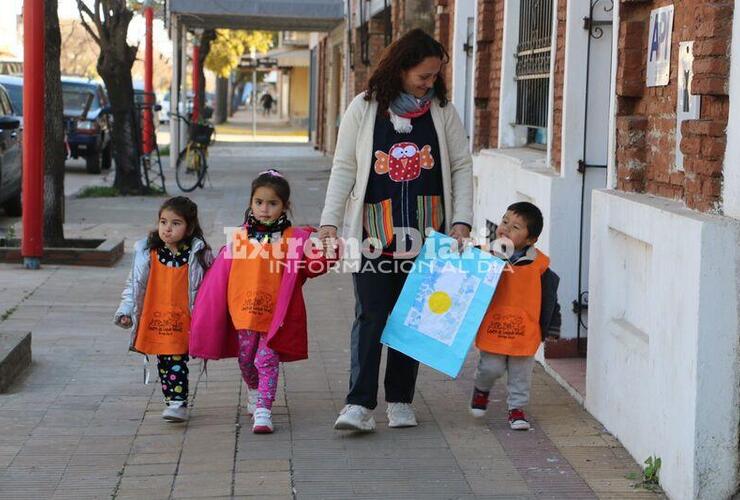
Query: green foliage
x=650, y=475
x=98, y=192
x=227, y=49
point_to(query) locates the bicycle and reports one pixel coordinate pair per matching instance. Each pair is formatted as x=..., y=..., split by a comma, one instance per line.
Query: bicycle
x=192, y=162
x=151, y=162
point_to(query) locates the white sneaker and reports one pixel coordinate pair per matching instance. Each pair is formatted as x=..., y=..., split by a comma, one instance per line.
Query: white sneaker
x=175, y=414
x=262, y=421
x=355, y=418
x=401, y=415
x=252, y=395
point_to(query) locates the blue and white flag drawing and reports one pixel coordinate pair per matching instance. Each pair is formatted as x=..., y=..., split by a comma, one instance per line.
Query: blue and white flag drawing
x=442, y=304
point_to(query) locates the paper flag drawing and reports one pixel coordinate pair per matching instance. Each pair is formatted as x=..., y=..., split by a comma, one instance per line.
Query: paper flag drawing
x=442, y=304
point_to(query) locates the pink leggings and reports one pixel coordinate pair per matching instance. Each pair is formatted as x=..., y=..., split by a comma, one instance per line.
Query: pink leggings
x=259, y=365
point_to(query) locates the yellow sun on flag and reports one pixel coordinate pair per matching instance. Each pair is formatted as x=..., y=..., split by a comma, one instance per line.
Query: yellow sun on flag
x=440, y=302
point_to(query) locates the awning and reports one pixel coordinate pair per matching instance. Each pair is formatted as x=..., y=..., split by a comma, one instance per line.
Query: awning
x=268, y=15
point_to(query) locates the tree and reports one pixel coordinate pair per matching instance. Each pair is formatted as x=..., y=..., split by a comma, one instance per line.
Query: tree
x=227, y=49
x=53, y=130
x=78, y=56
x=206, y=39
x=107, y=22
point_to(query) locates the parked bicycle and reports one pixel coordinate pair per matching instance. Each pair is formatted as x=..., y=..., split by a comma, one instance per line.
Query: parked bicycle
x=192, y=162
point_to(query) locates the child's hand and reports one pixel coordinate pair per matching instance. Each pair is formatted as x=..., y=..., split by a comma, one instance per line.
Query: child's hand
x=125, y=321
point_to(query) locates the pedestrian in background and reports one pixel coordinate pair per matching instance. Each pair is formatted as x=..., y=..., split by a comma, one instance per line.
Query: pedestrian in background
x=156, y=303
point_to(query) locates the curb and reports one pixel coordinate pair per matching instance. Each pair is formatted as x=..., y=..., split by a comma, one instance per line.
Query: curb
x=15, y=356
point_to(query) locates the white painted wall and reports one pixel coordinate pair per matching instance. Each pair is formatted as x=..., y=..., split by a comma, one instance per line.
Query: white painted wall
x=731, y=183
x=662, y=370
x=505, y=176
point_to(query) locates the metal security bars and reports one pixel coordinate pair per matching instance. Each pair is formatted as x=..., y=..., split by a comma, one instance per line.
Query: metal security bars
x=533, y=62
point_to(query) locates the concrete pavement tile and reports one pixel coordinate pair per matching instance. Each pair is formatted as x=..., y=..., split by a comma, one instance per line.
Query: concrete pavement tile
x=165, y=469
x=256, y=465
x=172, y=456
x=262, y=483
x=202, y=485
x=146, y=483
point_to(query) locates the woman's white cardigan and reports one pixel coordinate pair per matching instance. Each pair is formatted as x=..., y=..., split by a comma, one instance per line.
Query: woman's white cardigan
x=350, y=170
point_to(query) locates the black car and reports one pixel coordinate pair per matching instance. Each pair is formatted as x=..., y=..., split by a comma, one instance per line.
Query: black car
x=89, y=133
x=11, y=163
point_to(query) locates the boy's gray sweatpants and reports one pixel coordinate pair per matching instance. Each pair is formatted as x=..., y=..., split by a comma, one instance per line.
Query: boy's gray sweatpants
x=518, y=380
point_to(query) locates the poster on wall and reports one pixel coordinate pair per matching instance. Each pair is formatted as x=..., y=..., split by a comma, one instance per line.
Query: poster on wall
x=659, y=47
x=687, y=105
x=442, y=304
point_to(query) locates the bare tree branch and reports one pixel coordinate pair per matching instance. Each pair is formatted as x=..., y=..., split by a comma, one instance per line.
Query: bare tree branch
x=84, y=9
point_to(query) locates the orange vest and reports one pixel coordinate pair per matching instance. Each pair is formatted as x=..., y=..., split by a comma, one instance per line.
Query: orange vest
x=254, y=284
x=511, y=325
x=164, y=324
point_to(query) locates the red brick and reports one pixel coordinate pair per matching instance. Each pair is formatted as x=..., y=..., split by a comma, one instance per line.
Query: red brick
x=690, y=145
x=712, y=148
x=711, y=66
x=703, y=127
x=711, y=47
x=709, y=85
x=712, y=187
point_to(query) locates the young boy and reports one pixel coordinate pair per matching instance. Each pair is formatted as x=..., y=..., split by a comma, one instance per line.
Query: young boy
x=523, y=311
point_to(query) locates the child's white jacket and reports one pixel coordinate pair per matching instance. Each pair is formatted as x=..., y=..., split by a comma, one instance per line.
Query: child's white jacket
x=132, y=297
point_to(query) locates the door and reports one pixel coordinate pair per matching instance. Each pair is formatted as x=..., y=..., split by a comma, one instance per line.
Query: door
x=10, y=154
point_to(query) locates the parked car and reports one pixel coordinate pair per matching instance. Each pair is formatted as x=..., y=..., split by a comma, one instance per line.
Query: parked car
x=11, y=164
x=14, y=86
x=88, y=134
x=164, y=114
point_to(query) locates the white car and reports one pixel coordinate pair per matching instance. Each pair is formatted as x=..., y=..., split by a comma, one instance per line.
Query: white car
x=164, y=113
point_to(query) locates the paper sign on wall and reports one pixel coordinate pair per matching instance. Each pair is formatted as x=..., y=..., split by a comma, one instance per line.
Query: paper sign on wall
x=688, y=106
x=659, y=46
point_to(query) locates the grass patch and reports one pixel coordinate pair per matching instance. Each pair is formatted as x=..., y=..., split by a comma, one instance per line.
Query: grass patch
x=650, y=479
x=98, y=192
x=112, y=192
x=164, y=150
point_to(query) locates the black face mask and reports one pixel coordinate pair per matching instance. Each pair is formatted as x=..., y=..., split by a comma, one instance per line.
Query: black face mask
x=266, y=231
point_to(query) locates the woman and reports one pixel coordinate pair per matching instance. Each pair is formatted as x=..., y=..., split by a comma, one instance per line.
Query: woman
x=401, y=166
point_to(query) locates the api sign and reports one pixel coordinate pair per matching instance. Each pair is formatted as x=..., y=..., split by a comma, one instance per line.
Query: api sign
x=659, y=47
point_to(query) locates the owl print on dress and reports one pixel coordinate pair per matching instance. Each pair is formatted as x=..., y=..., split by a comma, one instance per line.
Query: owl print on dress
x=404, y=161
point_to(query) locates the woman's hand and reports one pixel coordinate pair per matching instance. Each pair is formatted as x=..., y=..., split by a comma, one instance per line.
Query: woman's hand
x=461, y=232
x=125, y=321
x=328, y=237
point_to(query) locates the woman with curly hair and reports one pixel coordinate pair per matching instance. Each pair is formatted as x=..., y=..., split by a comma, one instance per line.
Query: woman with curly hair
x=402, y=166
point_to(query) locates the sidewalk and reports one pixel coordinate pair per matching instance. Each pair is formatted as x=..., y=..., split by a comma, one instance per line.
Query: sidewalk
x=81, y=424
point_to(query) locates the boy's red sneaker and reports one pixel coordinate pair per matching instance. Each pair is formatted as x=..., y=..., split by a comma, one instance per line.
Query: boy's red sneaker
x=517, y=420
x=479, y=403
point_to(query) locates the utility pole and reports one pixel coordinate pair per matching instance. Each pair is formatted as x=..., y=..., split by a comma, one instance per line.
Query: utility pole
x=32, y=246
x=147, y=129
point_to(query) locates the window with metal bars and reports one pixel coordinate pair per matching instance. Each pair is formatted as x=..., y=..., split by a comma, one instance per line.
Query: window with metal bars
x=533, y=68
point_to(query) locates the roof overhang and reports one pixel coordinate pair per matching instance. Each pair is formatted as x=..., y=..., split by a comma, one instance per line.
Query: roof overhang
x=267, y=15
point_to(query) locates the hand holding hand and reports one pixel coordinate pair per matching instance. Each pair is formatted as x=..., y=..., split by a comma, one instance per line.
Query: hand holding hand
x=461, y=232
x=328, y=237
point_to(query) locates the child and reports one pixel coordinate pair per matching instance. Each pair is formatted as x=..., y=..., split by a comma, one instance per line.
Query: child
x=523, y=310
x=167, y=270
x=251, y=303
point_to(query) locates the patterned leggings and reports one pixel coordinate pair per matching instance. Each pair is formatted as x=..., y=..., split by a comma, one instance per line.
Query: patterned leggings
x=173, y=373
x=259, y=365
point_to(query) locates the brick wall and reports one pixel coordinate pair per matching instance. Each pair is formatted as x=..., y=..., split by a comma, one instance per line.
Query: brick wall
x=487, y=87
x=646, y=117
x=444, y=32
x=362, y=72
x=559, y=77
